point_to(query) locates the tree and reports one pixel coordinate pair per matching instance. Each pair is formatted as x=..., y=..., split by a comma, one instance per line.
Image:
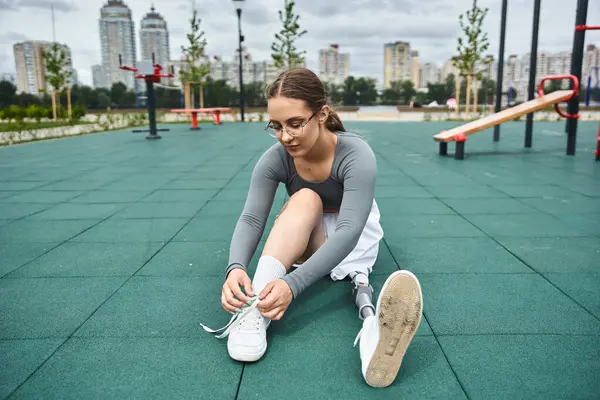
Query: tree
x=361, y=91
x=57, y=72
x=120, y=96
x=450, y=85
x=437, y=92
x=407, y=91
x=487, y=90
x=391, y=95
x=195, y=69
x=7, y=93
x=334, y=92
x=285, y=54
x=471, y=49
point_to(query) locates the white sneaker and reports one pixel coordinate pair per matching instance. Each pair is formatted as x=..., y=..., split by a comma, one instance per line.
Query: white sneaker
x=247, y=333
x=385, y=337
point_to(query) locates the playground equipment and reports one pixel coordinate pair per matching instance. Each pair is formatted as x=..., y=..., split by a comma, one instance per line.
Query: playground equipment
x=215, y=112
x=597, y=152
x=150, y=72
x=460, y=133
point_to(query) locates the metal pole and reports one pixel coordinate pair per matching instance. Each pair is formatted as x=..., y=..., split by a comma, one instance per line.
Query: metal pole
x=151, y=110
x=532, y=71
x=588, y=90
x=576, y=65
x=500, y=68
x=241, y=39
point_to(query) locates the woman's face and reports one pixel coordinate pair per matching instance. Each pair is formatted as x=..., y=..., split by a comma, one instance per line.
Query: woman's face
x=291, y=116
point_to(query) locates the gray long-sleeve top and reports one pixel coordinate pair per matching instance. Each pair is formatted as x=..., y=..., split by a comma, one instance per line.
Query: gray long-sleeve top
x=350, y=188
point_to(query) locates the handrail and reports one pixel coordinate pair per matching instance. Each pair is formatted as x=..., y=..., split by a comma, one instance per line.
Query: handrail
x=575, y=90
x=587, y=28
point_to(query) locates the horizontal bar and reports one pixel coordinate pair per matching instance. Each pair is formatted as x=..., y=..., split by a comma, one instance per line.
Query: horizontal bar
x=587, y=28
x=126, y=68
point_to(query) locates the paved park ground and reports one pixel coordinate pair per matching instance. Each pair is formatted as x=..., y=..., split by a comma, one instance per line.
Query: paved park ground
x=113, y=248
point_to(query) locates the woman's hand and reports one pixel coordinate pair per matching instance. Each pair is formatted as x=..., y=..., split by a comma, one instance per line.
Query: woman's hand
x=232, y=297
x=275, y=299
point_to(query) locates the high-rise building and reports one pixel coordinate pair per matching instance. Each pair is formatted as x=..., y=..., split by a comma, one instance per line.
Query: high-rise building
x=447, y=69
x=591, y=67
x=98, y=79
x=117, y=36
x=397, y=63
x=429, y=73
x=154, y=38
x=334, y=67
x=30, y=65
x=488, y=67
x=415, y=69
x=253, y=71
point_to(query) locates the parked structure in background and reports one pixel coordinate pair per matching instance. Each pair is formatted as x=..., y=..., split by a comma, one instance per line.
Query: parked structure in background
x=30, y=66
x=334, y=66
x=154, y=38
x=397, y=63
x=117, y=36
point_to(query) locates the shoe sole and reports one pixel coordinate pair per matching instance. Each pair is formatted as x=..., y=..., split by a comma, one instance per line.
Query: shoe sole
x=400, y=309
x=246, y=357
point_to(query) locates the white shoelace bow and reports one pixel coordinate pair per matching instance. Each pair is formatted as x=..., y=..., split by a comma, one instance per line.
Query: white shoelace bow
x=238, y=319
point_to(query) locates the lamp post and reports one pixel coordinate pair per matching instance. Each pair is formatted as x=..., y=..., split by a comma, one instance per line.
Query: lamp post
x=239, y=5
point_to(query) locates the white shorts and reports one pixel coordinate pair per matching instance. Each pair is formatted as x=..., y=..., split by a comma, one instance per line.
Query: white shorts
x=362, y=258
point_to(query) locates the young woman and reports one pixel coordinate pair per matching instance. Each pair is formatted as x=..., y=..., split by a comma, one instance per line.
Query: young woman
x=329, y=225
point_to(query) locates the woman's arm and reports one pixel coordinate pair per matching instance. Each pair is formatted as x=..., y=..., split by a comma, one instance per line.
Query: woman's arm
x=251, y=224
x=358, y=171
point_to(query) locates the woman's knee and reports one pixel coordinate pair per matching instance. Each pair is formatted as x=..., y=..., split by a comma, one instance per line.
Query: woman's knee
x=306, y=199
x=303, y=205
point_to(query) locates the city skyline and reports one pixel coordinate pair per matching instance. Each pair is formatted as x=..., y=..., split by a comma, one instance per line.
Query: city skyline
x=326, y=24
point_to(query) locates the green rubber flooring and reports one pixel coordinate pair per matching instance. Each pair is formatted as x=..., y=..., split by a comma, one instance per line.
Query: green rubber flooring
x=113, y=248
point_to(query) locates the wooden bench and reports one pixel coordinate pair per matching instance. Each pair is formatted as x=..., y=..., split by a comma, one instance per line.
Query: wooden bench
x=460, y=133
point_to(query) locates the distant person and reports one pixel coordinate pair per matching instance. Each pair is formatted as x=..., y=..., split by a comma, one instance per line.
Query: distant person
x=329, y=226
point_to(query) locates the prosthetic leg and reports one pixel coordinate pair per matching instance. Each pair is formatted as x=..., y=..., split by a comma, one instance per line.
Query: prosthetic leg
x=363, y=295
x=387, y=329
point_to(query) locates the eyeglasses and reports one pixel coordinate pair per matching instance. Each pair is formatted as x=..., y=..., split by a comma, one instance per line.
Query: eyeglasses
x=294, y=129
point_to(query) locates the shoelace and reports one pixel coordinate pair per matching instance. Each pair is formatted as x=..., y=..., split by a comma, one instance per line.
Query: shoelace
x=358, y=336
x=360, y=333
x=237, y=320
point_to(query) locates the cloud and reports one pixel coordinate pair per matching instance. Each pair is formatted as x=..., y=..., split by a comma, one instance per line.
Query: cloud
x=259, y=15
x=9, y=38
x=361, y=27
x=59, y=5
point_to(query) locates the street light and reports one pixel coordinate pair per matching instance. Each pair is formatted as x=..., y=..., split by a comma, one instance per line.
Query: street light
x=239, y=5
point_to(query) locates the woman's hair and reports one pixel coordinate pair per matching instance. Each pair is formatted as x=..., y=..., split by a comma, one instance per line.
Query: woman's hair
x=303, y=84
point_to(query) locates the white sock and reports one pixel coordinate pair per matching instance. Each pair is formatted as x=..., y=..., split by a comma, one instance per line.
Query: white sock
x=268, y=269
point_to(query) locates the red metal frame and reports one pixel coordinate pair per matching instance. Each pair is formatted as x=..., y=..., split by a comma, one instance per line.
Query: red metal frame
x=597, y=152
x=215, y=112
x=587, y=28
x=575, y=90
x=154, y=78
